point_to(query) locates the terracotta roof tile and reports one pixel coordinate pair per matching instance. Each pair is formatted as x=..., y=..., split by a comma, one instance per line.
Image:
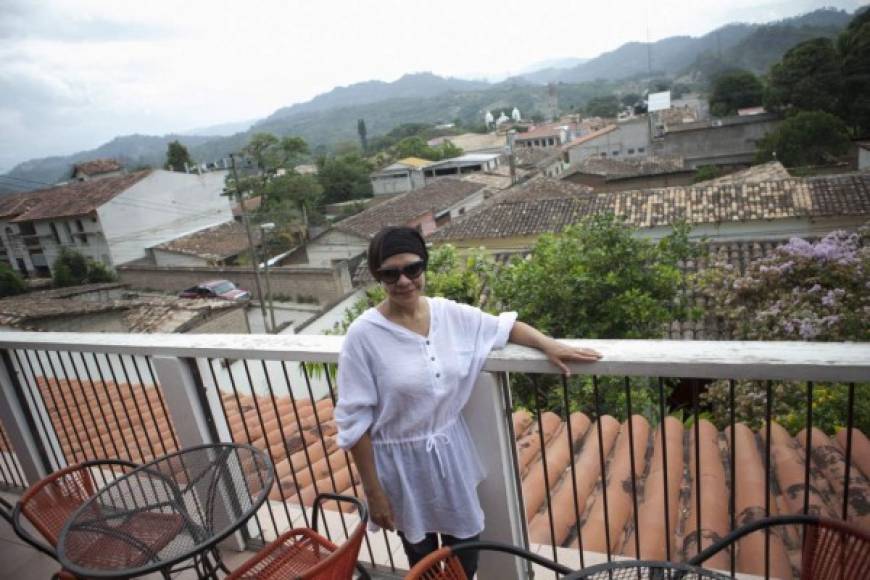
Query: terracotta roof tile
x=73, y=199
x=97, y=166
x=402, y=209
x=215, y=243
x=794, y=197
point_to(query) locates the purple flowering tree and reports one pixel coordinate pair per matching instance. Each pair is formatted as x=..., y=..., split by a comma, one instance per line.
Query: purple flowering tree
x=813, y=291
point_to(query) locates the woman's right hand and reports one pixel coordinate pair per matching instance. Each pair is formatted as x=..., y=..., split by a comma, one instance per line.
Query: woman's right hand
x=380, y=510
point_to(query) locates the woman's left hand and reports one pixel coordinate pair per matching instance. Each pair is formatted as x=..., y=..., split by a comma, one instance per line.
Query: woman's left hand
x=559, y=354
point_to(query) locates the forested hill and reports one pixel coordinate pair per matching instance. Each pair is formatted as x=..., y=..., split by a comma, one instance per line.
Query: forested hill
x=331, y=118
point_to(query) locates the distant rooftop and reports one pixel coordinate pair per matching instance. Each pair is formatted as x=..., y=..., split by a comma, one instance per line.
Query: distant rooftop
x=771, y=171
x=96, y=167
x=216, y=243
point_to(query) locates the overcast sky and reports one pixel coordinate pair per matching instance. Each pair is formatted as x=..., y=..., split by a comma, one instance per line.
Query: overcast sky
x=75, y=73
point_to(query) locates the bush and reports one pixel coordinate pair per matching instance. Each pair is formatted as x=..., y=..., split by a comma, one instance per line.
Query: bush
x=807, y=138
x=73, y=269
x=805, y=291
x=11, y=282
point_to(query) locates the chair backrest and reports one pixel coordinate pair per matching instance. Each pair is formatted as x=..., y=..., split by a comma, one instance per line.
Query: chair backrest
x=341, y=563
x=833, y=550
x=830, y=549
x=443, y=564
x=52, y=500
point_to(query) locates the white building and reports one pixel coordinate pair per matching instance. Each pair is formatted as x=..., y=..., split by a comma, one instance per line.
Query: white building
x=629, y=139
x=403, y=175
x=110, y=219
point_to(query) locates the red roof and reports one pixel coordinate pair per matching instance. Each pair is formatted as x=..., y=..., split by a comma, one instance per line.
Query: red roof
x=69, y=200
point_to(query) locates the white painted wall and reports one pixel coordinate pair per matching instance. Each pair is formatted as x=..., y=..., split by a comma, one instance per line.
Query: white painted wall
x=92, y=244
x=334, y=245
x=629, y=140
x=863, y=158
x=164, y=258
x=161, y=207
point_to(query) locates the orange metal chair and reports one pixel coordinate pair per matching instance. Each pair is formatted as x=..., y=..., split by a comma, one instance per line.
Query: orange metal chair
x=48, y=503
x=304, y=554
x=443, y=564
x=831, y=549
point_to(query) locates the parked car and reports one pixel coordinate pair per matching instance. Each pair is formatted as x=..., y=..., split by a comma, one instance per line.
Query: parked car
x=223, y=289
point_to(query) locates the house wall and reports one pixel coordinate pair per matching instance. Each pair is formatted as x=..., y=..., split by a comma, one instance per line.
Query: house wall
x=733, y=142
x=229, y=321
x=863, y=158
x=334, y=245
x=16, y=250
x=162, y=207
x=82, y=234
x=391, y=184
x=628, y=140
x=323, y=284
x=164, y=258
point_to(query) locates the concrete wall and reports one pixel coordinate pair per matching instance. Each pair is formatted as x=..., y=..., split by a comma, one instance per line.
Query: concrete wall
x=112, y=321
x=83, y=235
x=863, y=159
x=600, y=183
x=732, y=142
x=629, y=140
x=334, y=245
x=15, y=248
x=391, y=184
x=325, y=284
x=230, y=321
x=161, y=207
x=164, y=258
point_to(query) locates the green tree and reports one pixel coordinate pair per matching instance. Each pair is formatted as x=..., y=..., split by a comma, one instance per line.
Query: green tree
x=597, y=280
x=11, y=282
x=607, y=106
x=808, y=78
x=72, y=269
x=807, y=138
x=302, y=194
x=415, y=147
x=630, y=99
x=854, y=47
x=177, y=157
x=363, y=134
x=263, y=148
x=706, y=173
x=344, y=177
x=735, y=90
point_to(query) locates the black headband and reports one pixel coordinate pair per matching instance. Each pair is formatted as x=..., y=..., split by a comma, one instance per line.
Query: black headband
x=402, y=240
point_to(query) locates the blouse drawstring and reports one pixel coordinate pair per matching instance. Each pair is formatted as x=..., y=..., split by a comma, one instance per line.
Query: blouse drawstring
x=432, y=445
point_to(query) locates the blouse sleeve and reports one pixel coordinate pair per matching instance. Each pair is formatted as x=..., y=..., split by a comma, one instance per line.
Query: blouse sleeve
x=489, y=332
x=357, y=395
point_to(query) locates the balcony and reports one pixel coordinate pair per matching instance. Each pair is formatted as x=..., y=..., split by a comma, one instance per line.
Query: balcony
x=71, y=397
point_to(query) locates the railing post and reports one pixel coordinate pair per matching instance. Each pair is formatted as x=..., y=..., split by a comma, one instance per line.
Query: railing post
x=192, y=411
x=21, y=433
x=487, y=416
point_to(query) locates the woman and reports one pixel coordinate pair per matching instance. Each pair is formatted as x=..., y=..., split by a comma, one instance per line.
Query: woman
x=406, y=370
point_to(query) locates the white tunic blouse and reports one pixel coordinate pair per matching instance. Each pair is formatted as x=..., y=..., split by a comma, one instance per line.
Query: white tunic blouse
x=408, y=391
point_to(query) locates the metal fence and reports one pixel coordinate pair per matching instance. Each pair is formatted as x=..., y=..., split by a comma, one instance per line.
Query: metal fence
x=604, y=466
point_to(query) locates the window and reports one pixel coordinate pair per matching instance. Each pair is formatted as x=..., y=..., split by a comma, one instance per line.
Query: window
x=631, y=151
x=641, y=149
x=615, y=153
x=68, y=231
x=54, y=233
x=80, y=225
x=604, y=153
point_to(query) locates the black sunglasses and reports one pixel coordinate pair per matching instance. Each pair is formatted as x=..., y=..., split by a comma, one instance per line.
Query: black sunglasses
x=411, y=271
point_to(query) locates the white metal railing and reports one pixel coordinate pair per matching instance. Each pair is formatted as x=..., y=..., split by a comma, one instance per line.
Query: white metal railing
x=191, y=369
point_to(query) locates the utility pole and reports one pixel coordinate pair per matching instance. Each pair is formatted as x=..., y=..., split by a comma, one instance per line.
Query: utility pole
x=254, y=262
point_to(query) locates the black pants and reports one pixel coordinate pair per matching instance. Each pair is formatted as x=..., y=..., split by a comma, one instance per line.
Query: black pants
x=418, y=551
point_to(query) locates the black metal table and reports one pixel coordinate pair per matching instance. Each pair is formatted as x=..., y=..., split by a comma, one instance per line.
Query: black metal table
x=167, y=515
x=645, y=570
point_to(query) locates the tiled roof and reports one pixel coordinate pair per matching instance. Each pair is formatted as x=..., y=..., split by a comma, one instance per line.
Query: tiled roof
x=589, y=137
x=215, y=243
x=615, y=168
x=141, y=313
x=770, y=171
x=414, y=162
x=539, y=188
x=470, y=142
x=548, y=130
x=402, y=209
x=795, y=197
x=17, y=203
x=307, y=461
x=72, y=199
x=97, y=166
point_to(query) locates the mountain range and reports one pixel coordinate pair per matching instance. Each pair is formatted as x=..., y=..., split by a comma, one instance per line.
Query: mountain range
x=331, y=118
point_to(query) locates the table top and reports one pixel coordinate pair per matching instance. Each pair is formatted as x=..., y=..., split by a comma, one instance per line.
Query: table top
x=645, y=569
x=165, y=511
